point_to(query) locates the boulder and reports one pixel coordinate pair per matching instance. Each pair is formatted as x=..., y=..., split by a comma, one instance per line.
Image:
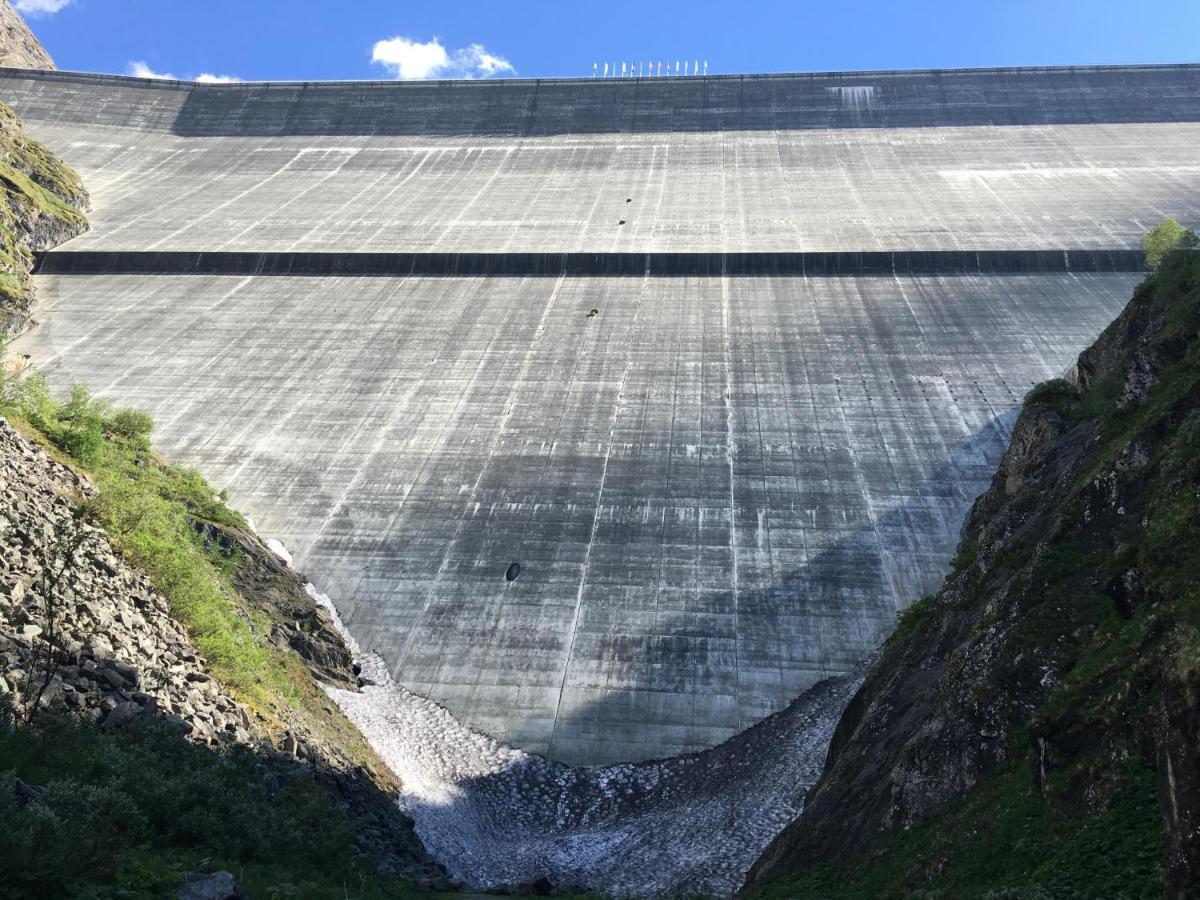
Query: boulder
x=209, y=886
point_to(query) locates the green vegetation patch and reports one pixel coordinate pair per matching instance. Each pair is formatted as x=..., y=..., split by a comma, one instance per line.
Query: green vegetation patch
x=1004, y=841
x=917, y=614
x=126, y=813
x=1164, y=239
x=33, y=180
x=147, y=506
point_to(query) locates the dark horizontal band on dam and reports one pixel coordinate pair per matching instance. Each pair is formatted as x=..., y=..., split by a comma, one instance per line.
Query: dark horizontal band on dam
x=834, y=263
x=893, y=99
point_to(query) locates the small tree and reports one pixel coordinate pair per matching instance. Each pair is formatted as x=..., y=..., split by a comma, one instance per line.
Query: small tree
x=1164, y=239
x=58, y=560
x=5, y=378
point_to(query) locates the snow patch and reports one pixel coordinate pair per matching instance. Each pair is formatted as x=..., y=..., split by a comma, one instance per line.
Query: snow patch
x=497, y=816
x=279, y=550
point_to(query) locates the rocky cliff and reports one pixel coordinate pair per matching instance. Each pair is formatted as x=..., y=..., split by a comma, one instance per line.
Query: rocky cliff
x=1032, y=729
x=79, y=627
x=18, y=47
x=42, y=205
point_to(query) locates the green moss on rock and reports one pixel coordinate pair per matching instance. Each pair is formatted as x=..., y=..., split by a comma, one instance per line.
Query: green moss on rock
x=42, y=205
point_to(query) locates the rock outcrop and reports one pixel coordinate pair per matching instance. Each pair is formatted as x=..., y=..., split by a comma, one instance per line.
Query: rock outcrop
x=298, y=622
x=1066, y=638
x=79, y=627
x=41, y=205
x=19, y=49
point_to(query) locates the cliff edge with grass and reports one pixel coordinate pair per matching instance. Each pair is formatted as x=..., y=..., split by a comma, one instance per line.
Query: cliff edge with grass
x=43, y=200
x=1033, y=729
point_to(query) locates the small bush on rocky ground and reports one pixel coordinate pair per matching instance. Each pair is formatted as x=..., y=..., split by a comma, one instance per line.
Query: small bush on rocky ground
x=79, y=425
x=125, y=813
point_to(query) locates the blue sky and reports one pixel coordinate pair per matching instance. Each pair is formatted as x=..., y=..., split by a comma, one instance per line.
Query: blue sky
x=315, y=39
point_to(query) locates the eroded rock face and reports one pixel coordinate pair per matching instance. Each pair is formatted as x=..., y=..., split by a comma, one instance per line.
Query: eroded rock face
x=18, y=46
x=1089, y=514
x=42, y=202
x=297, y=622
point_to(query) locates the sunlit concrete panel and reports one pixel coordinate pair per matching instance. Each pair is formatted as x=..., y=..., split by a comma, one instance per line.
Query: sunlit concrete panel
x=1011, y=159
x=1043, y=187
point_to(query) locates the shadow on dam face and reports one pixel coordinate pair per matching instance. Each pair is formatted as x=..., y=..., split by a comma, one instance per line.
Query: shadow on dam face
x=687, y=825
x=656, y=469
x=376, y=334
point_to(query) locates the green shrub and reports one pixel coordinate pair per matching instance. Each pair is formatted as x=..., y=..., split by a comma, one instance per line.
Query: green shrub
x=1164, y=239
x=147, y=507
x=968, y=553
x=1057, y=393
x=1062, y=561
x=912, y=617
x=75, y=426
x=131, y=424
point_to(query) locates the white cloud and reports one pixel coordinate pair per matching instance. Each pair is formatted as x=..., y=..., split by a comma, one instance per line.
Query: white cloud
x=411, y=59
x=139, y=69
x=408, y=59
x=477, y=59
x=40, y=7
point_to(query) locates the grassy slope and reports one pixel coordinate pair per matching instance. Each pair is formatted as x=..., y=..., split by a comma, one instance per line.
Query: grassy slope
x=147, y=506
x=1094, y=827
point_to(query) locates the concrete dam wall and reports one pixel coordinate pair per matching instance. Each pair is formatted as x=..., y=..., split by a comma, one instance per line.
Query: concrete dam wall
x=367, y=310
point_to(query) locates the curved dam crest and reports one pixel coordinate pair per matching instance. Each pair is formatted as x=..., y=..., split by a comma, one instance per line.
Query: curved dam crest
x=721, y=363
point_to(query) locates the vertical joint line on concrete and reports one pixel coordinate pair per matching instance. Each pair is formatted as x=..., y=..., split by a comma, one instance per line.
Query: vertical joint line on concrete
x=731, y=449
x=509, y=406
x=587, y=556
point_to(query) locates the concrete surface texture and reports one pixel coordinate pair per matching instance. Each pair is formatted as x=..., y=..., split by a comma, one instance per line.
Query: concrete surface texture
x=720, y=488
x=785, y=163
